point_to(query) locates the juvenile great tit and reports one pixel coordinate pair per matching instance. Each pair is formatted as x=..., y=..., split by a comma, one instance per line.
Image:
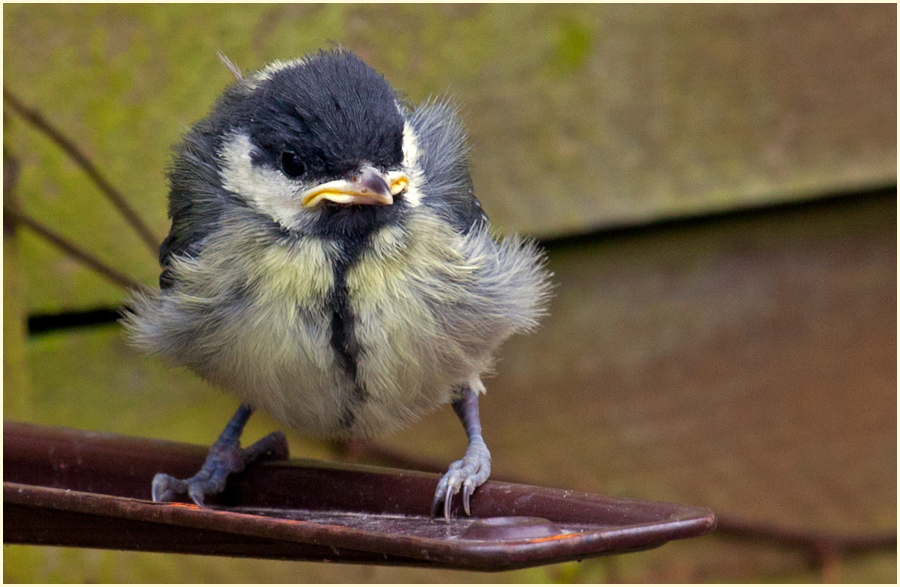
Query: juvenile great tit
x=329, y=263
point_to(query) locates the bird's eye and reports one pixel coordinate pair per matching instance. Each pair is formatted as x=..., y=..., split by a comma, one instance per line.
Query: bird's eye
x=291, y=164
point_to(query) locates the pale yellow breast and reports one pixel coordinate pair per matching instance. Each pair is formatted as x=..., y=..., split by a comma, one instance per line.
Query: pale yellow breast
x=399, y=288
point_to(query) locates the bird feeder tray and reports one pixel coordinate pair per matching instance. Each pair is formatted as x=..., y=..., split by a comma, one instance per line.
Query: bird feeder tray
x=66, y=487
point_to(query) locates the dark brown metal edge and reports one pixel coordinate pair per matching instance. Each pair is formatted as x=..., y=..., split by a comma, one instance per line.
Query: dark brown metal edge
x=20, y=522
x=40, y=526
x=70, y=459
x=238, y=526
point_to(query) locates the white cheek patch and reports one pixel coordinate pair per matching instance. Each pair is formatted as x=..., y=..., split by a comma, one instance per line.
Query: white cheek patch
x=266, y=189
x=411, y=166
x=273, y=194
x=410, y=146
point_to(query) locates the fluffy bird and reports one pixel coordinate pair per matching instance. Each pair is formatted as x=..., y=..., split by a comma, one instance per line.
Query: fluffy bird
x=329, y=263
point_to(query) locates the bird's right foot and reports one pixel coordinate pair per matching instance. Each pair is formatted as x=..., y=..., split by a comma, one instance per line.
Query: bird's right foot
x=223, y=460
x=225, y=457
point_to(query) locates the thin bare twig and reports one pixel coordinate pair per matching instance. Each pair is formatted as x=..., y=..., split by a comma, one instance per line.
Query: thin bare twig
x=10, y=179
x=72, y=249
x=37, y=120
x=807, y=539
x=823, y=550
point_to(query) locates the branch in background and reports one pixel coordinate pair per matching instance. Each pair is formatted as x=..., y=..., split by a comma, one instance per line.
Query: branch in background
x=736, y=528
x=11, y=169
x=36, y=119
x=72, y=249
x=824, y=550
x=44, y=323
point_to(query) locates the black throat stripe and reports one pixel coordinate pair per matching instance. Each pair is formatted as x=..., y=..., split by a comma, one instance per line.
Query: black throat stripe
x=346, y=347
x=343, y=340
x=351, y=228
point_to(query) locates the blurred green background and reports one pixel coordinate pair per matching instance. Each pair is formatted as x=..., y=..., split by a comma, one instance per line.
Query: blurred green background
x=695, y=352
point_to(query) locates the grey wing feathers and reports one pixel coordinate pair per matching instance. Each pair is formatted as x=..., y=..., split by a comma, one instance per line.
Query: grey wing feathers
x=443, y=159
x=196, y=198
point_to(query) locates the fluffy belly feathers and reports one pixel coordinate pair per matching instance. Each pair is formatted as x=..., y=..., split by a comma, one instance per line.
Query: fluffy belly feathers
x=417, y=326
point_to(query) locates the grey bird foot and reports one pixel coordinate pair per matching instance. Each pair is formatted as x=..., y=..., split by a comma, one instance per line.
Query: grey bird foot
x=224, y=459
x=467, y=474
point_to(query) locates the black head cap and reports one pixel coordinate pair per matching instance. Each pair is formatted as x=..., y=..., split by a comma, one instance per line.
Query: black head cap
x=331, y=110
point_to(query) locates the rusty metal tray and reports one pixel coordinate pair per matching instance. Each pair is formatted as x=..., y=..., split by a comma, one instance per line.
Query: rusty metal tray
x=67, y=487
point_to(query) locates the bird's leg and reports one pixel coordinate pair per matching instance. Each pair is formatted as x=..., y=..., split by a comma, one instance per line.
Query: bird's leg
x=225, y=457
x=475, y=466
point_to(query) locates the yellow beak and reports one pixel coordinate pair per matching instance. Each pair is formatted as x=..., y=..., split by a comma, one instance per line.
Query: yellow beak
x=366, y=186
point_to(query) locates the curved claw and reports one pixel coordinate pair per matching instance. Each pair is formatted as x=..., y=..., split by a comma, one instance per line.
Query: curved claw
x=447, y=501
x=197, y=493
x=165, y=487
x=467, y=495
x=466, y=474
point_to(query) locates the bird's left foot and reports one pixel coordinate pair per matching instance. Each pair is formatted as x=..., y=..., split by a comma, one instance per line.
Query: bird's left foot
x=474, y=468
x=467, y=474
